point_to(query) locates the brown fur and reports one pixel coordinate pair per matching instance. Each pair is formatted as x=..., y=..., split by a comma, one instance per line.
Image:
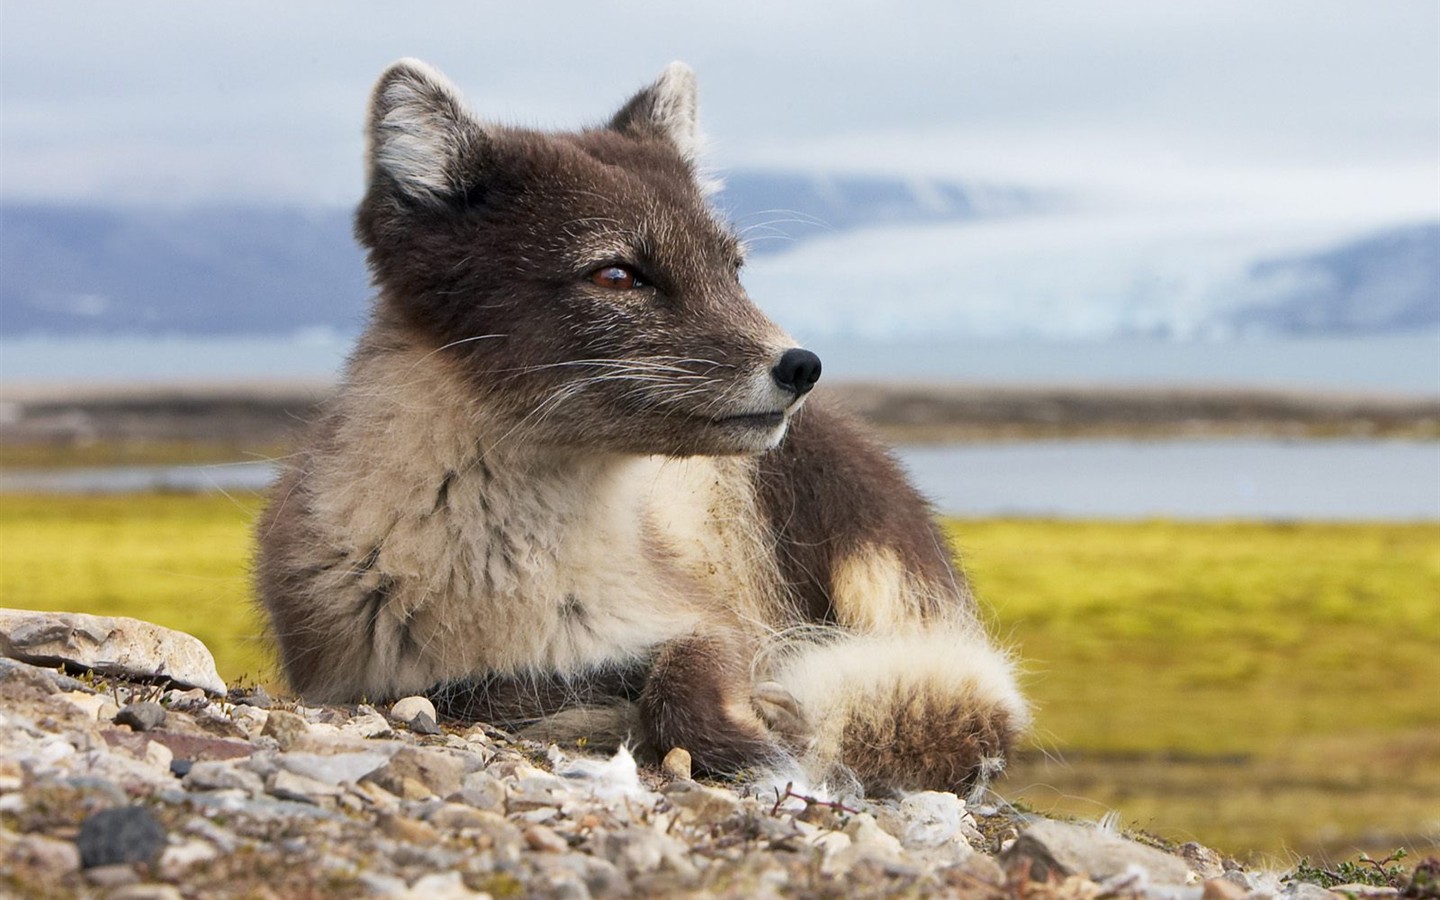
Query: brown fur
x=567, y=508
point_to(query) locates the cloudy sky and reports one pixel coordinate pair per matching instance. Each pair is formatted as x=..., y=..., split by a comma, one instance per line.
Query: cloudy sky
x=1331, y=105
x=1188, y=140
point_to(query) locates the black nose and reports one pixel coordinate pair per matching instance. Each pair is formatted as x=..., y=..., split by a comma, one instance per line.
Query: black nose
x=797, y=370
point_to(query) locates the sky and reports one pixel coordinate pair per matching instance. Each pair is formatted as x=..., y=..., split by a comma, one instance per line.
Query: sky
x=1185, y=141
x=1333, y=106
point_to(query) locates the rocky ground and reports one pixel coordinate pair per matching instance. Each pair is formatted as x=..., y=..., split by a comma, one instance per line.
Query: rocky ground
x=129, y=770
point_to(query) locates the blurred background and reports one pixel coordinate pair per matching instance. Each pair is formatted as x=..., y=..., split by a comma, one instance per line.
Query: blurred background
x=1148, y=295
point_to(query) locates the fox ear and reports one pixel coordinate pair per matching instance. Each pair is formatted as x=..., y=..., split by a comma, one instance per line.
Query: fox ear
x=419, y=132
x=668, y=108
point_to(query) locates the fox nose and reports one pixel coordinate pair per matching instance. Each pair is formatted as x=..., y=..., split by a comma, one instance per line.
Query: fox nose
x=797, y=371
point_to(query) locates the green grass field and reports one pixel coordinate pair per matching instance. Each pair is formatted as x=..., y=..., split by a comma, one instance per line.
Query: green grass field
x=1268, y=689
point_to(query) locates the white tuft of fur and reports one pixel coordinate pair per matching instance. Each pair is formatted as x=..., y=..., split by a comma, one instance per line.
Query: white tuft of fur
x=616, y=778
x=676, y=109
x=856, y=677
x=418, y=126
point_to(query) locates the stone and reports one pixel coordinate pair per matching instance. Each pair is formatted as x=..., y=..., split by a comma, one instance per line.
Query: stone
x=44, y=680
x=1203, y=861
x=285, y=727
x=702, y=804
x=177, y=859
x=146, y=892
x=366, y=723
x=441, y=886
x=1064, y=849
x=257, y=697
x=437, y=770
x=159, y=756
x=864, y=831
x=404, y=828
x=544, y=840
x=677, y=764
x=119, y=646
x=114, y=876
x=480, y=790
x=336, y=768
x=143, y=716
x=123, y=835
x=1222, y=889
x=53, y=857
x=12, y=775
x=407, y=708
x=456, y=817
x=978, y=867
x=95, y=706
x=1364, y=890
x=250, y=719
x=423, y=724
x=288, y=786
x=927, y=820
x=222, y=775
x=1304, y=890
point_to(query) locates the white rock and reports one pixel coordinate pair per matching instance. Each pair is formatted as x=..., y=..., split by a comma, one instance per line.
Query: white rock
x=869, y=837
x=929, y=819
x=447, y=886
x=159, y=756
x=95, y=706
x=367, y=723
x=337, y=769
x=180, y=857
x=407, y=708
x=251, y=719
x=109, y=645
x=218, y=775
x=289, y=786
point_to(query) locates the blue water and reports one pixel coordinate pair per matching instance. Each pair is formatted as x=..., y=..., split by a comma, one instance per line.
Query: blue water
x=1405, y=364
x=1210, y=479
x=1331, y=480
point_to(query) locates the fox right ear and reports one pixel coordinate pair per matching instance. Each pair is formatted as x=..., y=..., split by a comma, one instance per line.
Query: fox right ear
x=419, y=133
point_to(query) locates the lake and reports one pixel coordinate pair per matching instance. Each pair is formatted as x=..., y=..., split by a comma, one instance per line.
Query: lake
x=1109, y=479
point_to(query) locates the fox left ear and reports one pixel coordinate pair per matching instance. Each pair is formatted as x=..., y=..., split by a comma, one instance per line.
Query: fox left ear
x=668, y=108
x=420, y=134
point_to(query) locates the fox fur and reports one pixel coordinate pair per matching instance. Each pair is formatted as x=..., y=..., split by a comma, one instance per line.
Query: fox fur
x=573, y=481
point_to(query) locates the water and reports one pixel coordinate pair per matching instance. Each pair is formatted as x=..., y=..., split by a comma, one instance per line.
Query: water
x=1331, y=480
x=1404, y=364
x=247, y=476
x=1220, y=479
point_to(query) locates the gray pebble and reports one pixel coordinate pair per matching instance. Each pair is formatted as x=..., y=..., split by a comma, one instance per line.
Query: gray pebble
x=143, y=716
x=424, y=724
x=124, y=835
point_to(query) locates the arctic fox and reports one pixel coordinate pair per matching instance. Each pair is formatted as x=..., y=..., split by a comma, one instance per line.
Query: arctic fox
x=571, y=482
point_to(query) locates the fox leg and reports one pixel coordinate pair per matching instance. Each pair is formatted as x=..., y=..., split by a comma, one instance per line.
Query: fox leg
x=699, y=696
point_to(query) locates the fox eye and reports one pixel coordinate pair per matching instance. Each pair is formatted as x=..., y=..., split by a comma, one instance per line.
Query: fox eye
x=616, y=278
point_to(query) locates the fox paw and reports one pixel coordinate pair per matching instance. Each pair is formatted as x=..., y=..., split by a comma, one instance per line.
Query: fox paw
x=781, y=713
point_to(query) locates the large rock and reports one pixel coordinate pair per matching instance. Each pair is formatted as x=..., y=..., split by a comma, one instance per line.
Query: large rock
x=117, y=646
x=1065, y=849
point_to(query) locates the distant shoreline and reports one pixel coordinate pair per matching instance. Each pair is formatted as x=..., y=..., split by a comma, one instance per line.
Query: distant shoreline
x=57, y=424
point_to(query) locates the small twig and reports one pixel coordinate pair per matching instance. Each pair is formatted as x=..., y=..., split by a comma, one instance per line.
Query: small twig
x=808, y=801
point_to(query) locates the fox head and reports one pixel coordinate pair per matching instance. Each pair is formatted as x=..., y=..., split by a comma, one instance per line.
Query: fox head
x=579, y=280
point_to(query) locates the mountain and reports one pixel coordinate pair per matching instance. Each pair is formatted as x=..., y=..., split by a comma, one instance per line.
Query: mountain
x=1383, y=282
x=840, y=255
x=69, y=270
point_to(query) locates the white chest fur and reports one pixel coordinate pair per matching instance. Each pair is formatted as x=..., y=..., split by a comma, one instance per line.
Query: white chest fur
x=493, y=556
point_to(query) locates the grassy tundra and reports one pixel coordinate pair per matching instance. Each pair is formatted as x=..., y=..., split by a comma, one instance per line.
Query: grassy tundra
x=1263, y=688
